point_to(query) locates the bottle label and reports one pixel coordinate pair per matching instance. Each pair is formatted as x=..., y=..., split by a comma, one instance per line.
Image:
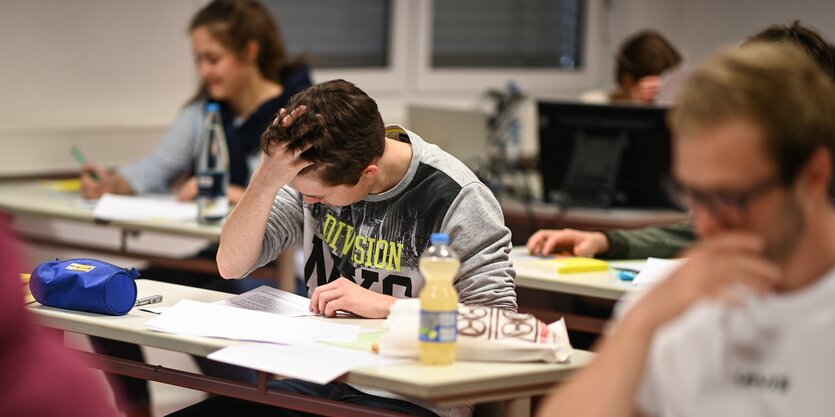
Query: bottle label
x=211, y=184
x=438, y=326
x=212, y=203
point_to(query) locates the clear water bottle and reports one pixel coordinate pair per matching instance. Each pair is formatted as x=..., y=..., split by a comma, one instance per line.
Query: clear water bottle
x=438, y=303
x=212, y=170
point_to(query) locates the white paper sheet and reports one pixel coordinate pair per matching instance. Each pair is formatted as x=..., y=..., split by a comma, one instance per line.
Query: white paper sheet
x=123, y=207
x=315, y=362
x=194, y=318
x=655, y=270
x=271, y=300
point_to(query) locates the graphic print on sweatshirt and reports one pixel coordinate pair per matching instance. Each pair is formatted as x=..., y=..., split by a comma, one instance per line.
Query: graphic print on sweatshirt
x=378, y=244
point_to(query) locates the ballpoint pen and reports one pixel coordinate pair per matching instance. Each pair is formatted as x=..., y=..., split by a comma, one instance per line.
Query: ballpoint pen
x=153, y=299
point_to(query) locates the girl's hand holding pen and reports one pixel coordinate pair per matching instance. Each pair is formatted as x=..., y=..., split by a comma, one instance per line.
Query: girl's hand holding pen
x=93, y=181
x=108, y=182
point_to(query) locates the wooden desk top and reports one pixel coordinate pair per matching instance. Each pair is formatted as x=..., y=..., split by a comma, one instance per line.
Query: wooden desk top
x=459, y=383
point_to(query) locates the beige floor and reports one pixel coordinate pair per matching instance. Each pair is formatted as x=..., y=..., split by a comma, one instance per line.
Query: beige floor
x=166, y=398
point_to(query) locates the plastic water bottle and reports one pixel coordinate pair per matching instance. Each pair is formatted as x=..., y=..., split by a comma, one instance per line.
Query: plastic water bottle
x=438, y=303
x=212, y=170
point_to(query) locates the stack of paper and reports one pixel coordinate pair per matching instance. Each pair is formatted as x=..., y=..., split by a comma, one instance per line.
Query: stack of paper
x=271, y=300
x=316, y=362
x=270, y=315
x=655, y=270
x=131, y=208
x=194, y=318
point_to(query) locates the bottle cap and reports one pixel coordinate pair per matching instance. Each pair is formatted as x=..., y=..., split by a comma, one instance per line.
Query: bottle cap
x=211, y=106
x=439, y=239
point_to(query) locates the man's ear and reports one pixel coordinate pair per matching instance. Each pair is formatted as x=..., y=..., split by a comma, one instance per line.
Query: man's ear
x=370, y=170
x=819, y=171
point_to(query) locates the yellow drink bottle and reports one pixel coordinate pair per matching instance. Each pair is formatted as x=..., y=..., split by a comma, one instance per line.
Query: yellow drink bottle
x=438, y=303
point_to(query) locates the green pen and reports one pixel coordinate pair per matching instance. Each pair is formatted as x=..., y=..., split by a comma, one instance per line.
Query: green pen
x=76, y=153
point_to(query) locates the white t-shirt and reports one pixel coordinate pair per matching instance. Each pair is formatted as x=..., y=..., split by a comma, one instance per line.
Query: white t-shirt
x=772, y=356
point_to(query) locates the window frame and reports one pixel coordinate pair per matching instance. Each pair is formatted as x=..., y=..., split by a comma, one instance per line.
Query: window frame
x=410, y=77
x=429, y=79
x=391, y=77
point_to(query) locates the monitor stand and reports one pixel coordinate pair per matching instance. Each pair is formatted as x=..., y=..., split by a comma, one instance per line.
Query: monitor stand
x=593, y=171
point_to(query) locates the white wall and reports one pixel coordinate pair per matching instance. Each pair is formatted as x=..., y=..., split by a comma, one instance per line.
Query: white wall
x=109, y=75
x=93, y=62
x=700, y=27
x=105, y=75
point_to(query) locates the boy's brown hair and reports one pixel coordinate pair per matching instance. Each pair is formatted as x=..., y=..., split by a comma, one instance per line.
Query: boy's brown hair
x=342, y=130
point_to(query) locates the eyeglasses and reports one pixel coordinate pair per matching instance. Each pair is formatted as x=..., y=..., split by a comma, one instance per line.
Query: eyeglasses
x=729, y=206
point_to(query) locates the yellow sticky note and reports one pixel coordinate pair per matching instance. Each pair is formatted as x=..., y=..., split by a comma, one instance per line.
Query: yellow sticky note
x=574, y=264
x=71, y=184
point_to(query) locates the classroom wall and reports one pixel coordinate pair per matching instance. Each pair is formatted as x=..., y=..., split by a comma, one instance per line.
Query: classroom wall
x=105, y=75
x=700, y=27
x=110, y=75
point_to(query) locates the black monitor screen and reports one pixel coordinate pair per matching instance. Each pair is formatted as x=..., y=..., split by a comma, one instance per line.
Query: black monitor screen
x=604, y=155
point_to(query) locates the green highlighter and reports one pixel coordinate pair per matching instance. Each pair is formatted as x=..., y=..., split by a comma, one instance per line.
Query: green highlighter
x=76, y=153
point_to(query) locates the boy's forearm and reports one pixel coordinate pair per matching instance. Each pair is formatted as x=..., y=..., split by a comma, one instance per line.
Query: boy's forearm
x=241, y=239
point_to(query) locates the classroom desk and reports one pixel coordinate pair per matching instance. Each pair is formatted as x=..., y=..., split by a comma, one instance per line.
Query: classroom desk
x=512, y=384
x=42, y=199
x=602, y=284
x=539, y=291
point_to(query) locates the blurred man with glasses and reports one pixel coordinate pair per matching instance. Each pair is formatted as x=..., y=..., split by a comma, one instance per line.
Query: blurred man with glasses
x=744, y=327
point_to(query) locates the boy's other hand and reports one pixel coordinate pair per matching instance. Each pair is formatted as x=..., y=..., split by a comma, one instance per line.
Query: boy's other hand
x=343, y=294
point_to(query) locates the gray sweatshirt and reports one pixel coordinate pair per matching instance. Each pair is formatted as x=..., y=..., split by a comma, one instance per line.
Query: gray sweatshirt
x=378, y=241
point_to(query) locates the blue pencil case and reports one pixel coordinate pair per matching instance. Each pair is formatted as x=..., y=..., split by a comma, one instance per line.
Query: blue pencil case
x=85, y=284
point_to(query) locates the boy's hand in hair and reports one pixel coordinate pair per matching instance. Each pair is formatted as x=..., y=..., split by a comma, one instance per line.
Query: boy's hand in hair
x=278, y=159
x=286, y=120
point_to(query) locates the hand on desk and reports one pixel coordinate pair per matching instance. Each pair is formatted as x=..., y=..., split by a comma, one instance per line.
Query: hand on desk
x=187, y=191
x=579, y=243
x=343, y=294
x=96, y=181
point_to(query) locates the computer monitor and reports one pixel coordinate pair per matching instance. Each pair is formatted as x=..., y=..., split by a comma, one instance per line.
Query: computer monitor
x=604, y=155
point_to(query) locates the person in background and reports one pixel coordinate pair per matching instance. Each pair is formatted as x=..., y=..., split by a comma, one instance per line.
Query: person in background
x=363, y=199
x=743, y=327
x=242, y=65
x=41, y=377
x=668, y=241
x=639, y=63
